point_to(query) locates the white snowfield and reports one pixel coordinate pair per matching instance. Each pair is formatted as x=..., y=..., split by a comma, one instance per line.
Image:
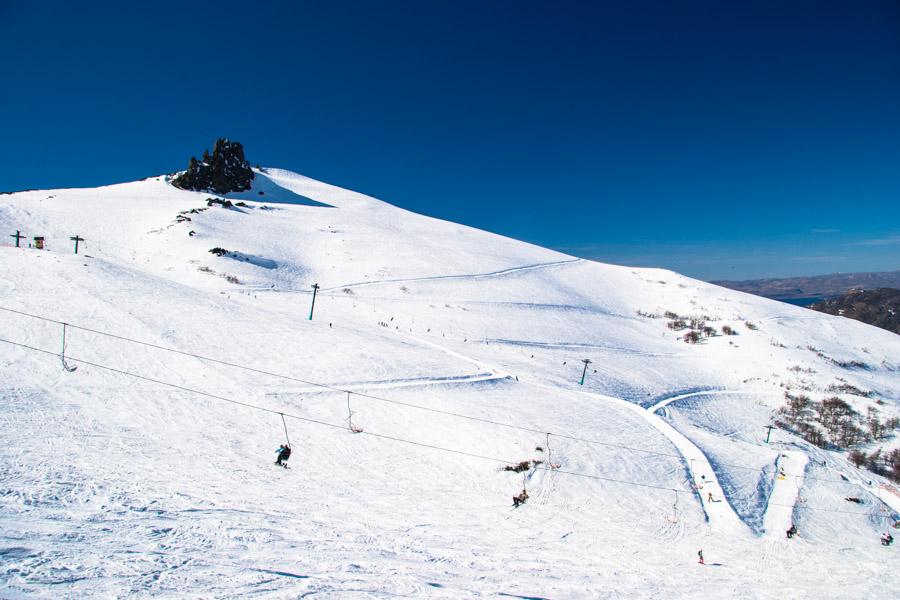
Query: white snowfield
x=147, y=471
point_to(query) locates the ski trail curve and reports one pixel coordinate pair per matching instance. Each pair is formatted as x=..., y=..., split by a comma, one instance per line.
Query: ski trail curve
x=400, y=383
x=501, y=273
x=721, y=515
x=711, y=392
x=791, y=466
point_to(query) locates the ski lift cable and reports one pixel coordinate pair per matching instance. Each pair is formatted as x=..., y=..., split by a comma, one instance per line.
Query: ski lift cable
x=305, y=419
x=381, y=435
x=363, y=395
x=379, y=398
x=338, y=389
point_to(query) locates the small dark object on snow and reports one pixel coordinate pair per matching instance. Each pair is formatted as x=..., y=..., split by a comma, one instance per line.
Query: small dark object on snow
x=887, y=539
x=283, y=453
x=220, y=202
x=853, y=499
x=522, y=466
x=792, y=531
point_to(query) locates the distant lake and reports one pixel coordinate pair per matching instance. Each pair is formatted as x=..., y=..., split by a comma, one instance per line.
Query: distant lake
x=802, y=301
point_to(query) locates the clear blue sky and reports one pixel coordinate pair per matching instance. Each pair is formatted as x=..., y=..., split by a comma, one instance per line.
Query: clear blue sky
x=720, y=139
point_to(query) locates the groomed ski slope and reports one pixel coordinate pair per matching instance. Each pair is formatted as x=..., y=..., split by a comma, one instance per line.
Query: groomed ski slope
x=147, y=472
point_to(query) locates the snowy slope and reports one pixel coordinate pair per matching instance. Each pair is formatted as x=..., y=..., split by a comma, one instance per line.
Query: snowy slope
x=138, y=474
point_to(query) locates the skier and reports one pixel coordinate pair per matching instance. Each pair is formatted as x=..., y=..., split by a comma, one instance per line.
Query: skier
x=792, y=531
x=283, y=453
x=887, y=539
x=520, y=498
x=709, y=497
x=700, y=554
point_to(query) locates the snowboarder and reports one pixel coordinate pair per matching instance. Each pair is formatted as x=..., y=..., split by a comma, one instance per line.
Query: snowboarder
x=792, y=531
x=700, y=554
x=520, y=498
x=282, y=454
x=887, y=539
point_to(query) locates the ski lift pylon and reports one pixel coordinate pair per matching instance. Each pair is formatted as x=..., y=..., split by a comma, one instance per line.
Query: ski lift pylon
x=550, y=462
x=62, y=356
x=283, y=422
x=353, y=428
x=673, y=518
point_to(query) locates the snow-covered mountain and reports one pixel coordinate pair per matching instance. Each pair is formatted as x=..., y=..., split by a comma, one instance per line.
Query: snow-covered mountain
x=148, y=470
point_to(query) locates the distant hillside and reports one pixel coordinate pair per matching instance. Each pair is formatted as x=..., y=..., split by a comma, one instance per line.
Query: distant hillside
x=880, y=307
x=809, y=290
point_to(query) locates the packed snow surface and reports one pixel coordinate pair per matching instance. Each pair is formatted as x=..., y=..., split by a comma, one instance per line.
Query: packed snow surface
x=147, y=470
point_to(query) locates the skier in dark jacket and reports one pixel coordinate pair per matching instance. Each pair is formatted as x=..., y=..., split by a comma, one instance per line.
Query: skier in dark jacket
x=520, y=499
x=792, y=531
x=887, y=539
x=282, y=454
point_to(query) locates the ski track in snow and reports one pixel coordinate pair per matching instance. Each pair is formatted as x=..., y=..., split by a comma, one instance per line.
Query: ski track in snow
x=463, y=276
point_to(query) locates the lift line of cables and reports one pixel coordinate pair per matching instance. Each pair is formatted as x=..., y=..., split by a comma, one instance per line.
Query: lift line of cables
x=284, y=415
x=383, y=399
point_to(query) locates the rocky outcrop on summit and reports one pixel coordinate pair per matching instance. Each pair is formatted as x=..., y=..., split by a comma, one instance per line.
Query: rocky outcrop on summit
x=225, y=171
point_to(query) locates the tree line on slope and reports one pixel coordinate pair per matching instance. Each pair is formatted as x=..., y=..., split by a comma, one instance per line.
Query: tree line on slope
x=832, y=423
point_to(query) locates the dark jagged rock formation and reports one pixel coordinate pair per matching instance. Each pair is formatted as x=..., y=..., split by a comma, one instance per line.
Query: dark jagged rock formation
x=225, y=171
x=880, y=307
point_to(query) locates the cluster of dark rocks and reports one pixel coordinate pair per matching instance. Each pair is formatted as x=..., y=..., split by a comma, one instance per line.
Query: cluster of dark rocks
x=226, y=170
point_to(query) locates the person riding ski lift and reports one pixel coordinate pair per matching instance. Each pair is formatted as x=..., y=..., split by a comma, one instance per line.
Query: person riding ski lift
x=792, y=531
x=282, y=454
x=520, y=498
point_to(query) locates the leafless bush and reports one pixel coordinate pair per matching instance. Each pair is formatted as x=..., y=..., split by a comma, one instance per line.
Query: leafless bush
x=522, y=466
x=692, y=337
x=846, y=388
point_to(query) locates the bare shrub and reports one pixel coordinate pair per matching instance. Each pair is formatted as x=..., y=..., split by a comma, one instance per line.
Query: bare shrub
x=677, y=324
x=692, y=337
x=846, y=388
x=857, y=457
x=522, y=466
